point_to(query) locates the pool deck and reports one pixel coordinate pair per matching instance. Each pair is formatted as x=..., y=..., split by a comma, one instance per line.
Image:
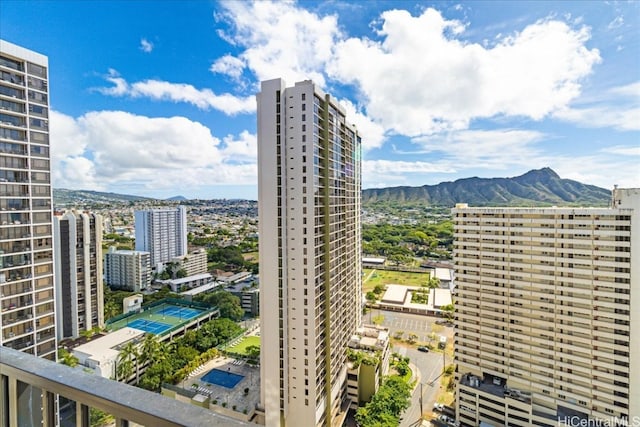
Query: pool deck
x=234, y=396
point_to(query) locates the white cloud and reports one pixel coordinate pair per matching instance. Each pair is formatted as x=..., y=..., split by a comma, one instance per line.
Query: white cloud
x=120, y=86
x=228, y=65
x=280, y=39
x=618, y=108
x=617, y=22
x=487, y=149
x=146, y=46
x=446, y=83
x=623, y=150
x=419, y=76
x=383, y=173
x=178, y=92
x=242, y=149
x=603, y=116
x=631, y=90
x=372, y=133
x=120, y=149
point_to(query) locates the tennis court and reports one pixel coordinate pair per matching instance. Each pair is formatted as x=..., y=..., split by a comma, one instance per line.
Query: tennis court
x=161, y=317
x=180, y=312
x=149, y=326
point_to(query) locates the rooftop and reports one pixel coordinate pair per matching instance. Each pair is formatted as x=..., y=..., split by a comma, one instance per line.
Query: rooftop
x=105, y=347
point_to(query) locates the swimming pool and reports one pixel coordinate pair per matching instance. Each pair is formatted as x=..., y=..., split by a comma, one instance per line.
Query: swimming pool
x=223, y=378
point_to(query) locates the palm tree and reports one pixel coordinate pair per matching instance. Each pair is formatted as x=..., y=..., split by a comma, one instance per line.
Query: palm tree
x=150, y=351
x=128, y=362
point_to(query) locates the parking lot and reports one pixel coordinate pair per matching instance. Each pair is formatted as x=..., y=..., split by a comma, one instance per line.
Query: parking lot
x=422, y=326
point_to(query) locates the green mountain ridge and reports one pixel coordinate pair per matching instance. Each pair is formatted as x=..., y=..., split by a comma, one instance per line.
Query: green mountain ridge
x=63, y=196
x=539, y=187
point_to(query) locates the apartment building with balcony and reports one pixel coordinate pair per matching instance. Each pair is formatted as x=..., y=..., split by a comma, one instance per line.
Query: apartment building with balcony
x=27, y=308
x=193, y=263
x=310, y=250
x=545, y=314
x=162, y=233
x=129, y=270
x=78, y=273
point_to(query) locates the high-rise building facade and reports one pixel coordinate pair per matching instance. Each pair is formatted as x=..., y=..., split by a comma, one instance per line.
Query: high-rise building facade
x=162, y=233
x=547, y=325
x=310, y=251
x=78, y=273
x=27, y=318
x=130, y=270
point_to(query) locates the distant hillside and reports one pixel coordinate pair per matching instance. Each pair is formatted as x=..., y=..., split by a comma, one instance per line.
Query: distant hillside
x=62, y=196
x=177, y=198
x=542, y=187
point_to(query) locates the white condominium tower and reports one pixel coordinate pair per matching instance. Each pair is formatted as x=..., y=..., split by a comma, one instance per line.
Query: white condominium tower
x=27, y=318
x=310, y=251
x=548, y=324
x=78, y=273
x=162, y=233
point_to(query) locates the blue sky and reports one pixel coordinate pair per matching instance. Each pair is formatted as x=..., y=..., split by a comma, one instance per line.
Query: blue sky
x=157, y=98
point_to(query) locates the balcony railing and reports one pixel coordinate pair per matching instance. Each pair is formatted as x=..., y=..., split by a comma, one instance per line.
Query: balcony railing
x=23, y=374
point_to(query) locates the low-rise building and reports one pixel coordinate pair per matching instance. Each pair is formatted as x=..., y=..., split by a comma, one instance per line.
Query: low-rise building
x=185, y=283
x=249, y=295
x=234, y=278
x=101, y=354
x=209, y=287
x=368, y=363
x=399, y=298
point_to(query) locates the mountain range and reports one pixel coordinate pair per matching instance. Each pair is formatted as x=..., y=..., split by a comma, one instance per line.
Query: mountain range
x=539, y=187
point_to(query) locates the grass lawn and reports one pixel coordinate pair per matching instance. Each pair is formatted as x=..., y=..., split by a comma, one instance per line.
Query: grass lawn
x=241, y=347
x=250, y=256
x=372, y=278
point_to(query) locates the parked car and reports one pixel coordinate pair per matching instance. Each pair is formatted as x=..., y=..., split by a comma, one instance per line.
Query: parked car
x=448, y=420
x=423, y=349
x=438, y=406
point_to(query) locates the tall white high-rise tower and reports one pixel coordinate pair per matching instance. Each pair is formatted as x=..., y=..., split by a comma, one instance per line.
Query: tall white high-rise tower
x=162, y=233
x=310, y=251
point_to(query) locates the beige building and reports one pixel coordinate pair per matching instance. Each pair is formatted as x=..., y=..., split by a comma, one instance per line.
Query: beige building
x=547, y=330
x=310, y=251
x=194, y=262
x=27, y=308
x=78, y=273
x=130, y=270
x=365, y=373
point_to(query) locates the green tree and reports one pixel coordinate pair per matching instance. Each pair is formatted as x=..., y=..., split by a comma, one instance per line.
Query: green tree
x=387, y=404
x=228, y=304
x=97, y=418
x=433, y=283
x=378, y=289
x=448, y=311
x=150, y=350
x=67, y=358
x=128, y=362
x=253, y=351
x=371, y=297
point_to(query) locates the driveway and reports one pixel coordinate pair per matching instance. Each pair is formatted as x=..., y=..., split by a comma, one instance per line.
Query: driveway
x=429, y=364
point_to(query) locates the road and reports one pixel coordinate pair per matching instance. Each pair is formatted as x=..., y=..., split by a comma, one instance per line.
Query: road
x=430, y=364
